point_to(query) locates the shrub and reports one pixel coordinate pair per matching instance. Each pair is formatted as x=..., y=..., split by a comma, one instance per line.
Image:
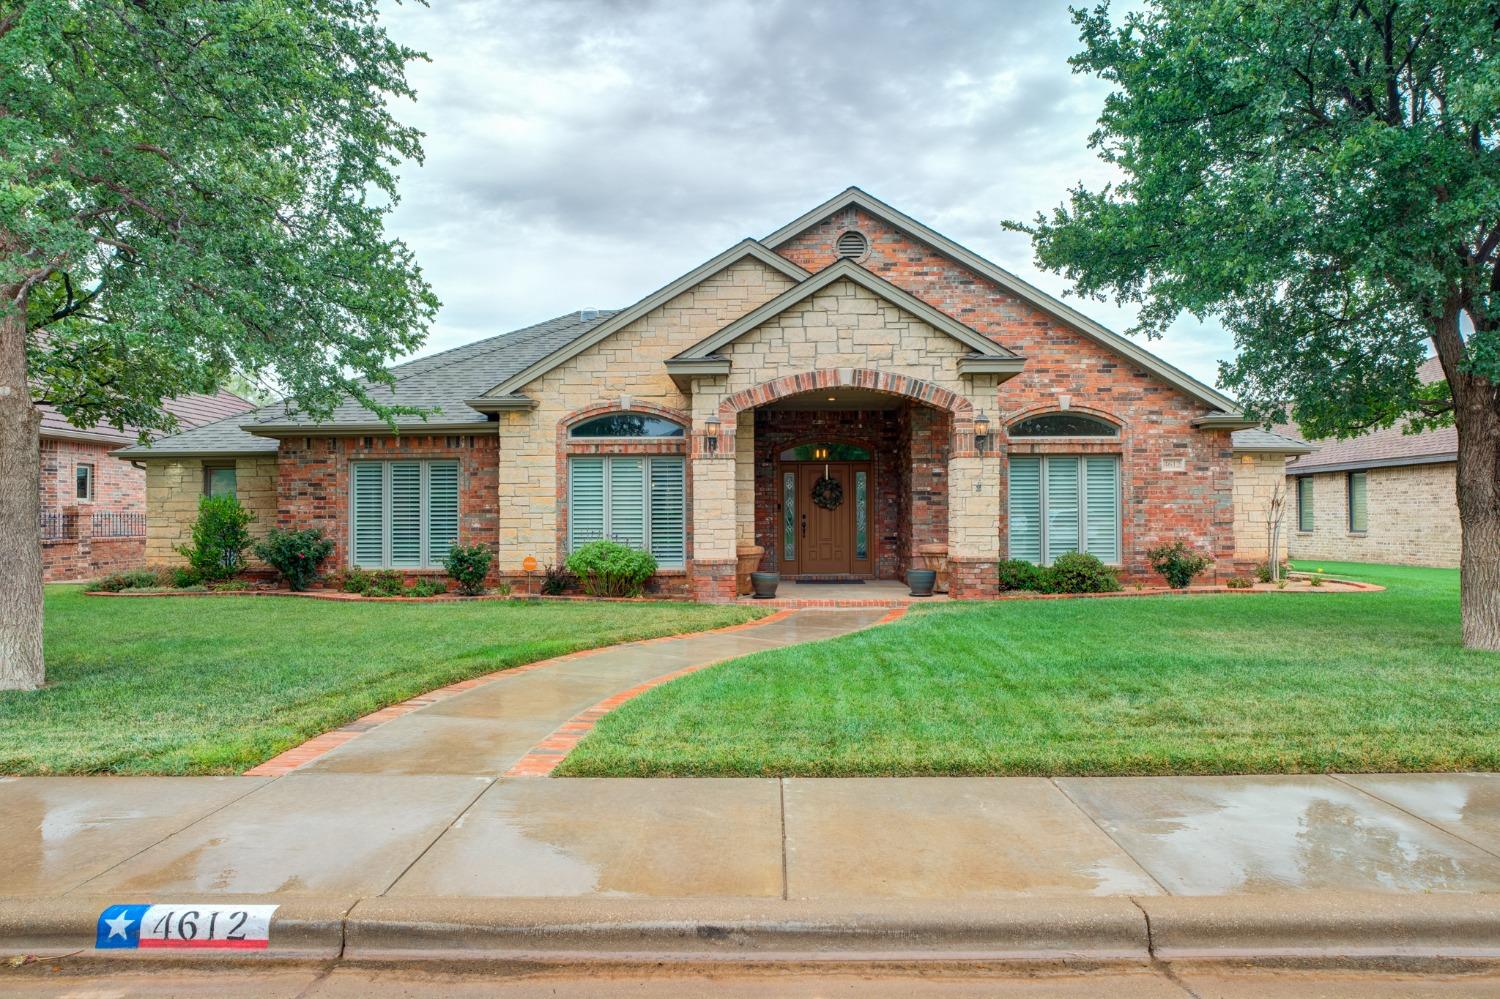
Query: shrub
x=1263, y=571
x=425, y=588
x=231, y=586
x=1315, y=580
x=468, y=566
x=180, y=576
x=295, y=554
x=136, y=579
x=1178, y=563
x=380, y=583
x=557, y=580
x=1076, y=572
x=1018, y=574
x=1237, y=583
x=220, y=536
x=608, y=569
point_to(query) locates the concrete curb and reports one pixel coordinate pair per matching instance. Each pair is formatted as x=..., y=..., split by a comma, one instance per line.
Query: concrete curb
x=302, y=929
x=1311, y=928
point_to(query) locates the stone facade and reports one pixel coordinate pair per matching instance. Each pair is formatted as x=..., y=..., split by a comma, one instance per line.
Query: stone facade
x=1412, y=515
x=174, y=487
x=1257, y=479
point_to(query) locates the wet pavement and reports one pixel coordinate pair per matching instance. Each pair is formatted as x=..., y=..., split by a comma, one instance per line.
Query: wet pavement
x=325, y=833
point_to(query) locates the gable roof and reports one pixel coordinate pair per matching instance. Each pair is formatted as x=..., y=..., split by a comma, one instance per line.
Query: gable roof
x=190, y=410
x=619, y=320
x=1386, y=446
x=441, y=381
x=854, y=197
x=848, y=270
x=1267, y=441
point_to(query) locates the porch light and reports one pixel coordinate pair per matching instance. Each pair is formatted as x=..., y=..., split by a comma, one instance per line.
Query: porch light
x=711, y=441
x=981, y=432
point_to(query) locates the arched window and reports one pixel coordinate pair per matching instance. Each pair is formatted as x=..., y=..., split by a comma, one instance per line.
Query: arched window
x=627, y=425
x=1063, y=425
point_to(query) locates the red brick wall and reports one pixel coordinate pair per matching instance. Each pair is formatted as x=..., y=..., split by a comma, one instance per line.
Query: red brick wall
x=70, y=548
x=313, y=482
x=1194, y=504
x=925, y=444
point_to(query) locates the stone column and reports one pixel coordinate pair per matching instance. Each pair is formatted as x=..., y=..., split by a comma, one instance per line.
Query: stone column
x=974, y=493
x=713, y=450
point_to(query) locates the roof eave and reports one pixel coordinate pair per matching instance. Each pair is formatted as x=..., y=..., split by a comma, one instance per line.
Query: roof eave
x=1273, y=449
x=277, y=430
x=147, y=454
x=1233, y=420
x=1006, y=367
x=1355, y=466
x=1114, y=341
x=501, y=403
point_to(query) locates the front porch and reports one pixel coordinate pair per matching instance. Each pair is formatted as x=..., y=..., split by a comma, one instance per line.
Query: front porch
x=871, y=593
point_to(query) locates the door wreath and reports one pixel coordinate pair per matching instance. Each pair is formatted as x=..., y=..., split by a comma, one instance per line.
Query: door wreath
x=828, y=493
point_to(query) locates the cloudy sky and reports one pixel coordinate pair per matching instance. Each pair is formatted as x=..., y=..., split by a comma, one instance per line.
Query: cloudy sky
x=582, y=153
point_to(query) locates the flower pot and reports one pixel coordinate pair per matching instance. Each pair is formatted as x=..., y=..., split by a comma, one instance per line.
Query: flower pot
x=764, y=584
x=921, y=581
x=935, y=557
x=748, y=557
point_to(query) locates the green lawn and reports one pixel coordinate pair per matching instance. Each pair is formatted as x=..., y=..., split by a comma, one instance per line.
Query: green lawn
x=218, y=684
x=1276, y=682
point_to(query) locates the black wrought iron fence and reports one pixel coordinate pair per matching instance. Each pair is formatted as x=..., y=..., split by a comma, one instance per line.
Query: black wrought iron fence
x=119, y=525
x=54, y=525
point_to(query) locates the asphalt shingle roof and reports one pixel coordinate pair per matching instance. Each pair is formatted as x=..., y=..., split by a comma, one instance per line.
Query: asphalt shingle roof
x=1384, y=447
x=1256, y=439
x=441, y=382
x=190, y=410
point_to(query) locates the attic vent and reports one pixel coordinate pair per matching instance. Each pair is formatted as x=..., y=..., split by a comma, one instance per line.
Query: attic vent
x=587, y=315
x=853, y=244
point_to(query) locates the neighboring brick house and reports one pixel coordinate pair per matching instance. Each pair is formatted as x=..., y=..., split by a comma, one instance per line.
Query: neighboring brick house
x=841, y=392
x=1385, y=496
x=93, y=518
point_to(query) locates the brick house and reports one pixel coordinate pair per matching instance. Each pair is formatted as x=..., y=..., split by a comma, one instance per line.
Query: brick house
x=1384, y=496
x=93, y=517
x=848, y=389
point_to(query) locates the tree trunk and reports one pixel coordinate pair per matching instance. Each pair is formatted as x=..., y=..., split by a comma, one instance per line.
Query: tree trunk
x=1478, y=421
x=21, y=666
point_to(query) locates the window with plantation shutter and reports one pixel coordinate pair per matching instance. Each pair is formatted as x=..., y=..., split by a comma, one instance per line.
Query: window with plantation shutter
x=636, y=501
x=403, y=514
x=1064, y=503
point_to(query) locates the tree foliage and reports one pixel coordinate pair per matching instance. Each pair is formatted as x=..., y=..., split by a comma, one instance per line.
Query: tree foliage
x=1320, y=175
x=196, y=189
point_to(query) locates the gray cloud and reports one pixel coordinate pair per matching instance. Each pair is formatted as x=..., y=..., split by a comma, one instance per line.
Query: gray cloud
x=584, y=153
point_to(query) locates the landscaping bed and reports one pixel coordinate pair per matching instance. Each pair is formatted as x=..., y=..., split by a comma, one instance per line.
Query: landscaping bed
x=1194, y=684
x=154, y=685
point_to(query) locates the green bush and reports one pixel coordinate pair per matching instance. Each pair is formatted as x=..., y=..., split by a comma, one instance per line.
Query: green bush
x=220, y=536
x=136, y=579
x=1178, y=563
x=426, y=588
x=295, y=554
x=608, y=569
x=468, y=566
x=557, y=580
x=1076, y=572
x=1237, y=583
x=1019, y=574
x=180, y=576
x=231, y=586
x=1263, y=571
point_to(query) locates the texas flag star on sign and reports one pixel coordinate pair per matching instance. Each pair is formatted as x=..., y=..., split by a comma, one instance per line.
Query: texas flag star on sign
x=120, y=927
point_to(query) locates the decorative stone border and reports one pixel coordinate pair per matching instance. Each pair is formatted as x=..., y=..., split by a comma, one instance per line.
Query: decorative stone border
x=320, y=745
x=338, y=595
x=545, y=756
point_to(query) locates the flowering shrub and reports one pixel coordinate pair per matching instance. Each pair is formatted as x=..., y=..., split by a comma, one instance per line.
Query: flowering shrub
x=1178, y=563
x=295, y=554
x=468, y=565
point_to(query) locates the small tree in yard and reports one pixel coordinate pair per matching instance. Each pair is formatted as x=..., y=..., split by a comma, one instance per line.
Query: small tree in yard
x=1274, y=518
x=220, y=536
x=191, y=192
x=1325, y=179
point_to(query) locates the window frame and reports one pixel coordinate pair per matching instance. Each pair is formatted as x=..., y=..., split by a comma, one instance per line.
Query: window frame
x=210, y=467
x=648, y=531
x=424, y=516
x=1113, y=428
x=1306, y=521
x=1043, y=513
x=574, y=435
x=92, y=481
x=1364, y=477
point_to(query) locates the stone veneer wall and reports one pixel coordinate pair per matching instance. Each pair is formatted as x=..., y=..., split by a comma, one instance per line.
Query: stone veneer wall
x=1257, y=476
x=174, y=487
x=625, y=369
x=1412, y=517
x=1176, y=479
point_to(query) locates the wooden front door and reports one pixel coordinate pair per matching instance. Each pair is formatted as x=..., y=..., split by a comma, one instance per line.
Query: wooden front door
x=829, y=542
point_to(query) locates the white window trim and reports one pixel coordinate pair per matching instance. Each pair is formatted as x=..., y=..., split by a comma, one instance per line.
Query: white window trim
x=93, y=481
x=424, y=514
x=1083, y=513
x=608, y=493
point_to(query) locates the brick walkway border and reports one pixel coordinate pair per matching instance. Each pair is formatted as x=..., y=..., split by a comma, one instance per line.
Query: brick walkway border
x=545, y=756
x=320, y=745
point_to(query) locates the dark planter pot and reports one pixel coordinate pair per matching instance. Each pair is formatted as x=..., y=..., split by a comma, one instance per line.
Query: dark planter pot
x=921, y=581
x=764, y=584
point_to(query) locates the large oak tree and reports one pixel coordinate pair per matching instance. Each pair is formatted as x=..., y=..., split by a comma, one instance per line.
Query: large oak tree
x=193, y=191
x=1323, y=177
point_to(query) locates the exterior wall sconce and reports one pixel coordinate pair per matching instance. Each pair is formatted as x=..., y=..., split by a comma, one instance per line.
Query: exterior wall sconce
x=711, y=441
x=981, y=432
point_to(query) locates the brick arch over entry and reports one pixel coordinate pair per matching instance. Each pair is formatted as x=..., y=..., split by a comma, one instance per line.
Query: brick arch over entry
x=830, y=378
